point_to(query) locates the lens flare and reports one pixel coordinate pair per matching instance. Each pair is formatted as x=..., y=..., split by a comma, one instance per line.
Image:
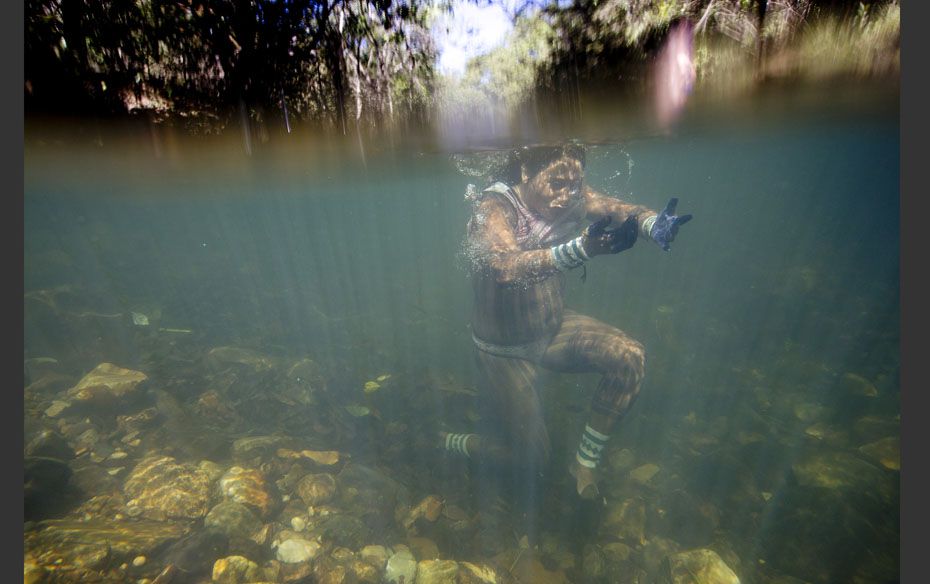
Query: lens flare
x=675, y=73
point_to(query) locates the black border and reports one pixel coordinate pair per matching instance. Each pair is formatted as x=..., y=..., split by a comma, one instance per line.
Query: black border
x=13, y=169
x=913, y=288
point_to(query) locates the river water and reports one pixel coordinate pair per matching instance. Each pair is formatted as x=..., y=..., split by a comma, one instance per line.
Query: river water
x=261, y=285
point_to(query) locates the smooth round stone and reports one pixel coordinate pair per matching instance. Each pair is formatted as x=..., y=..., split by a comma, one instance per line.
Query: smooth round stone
x=235, y=570
x=233, y=519
x=249, y=487
x=401, y=567
x=298, y=524
x=375, y=555
x=316, y=488
x=138, y=561
x=437, y=571
x=297, y=550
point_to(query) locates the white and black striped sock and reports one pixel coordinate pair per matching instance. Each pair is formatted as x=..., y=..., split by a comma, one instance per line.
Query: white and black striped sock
x=458, y=443
x=591, y=447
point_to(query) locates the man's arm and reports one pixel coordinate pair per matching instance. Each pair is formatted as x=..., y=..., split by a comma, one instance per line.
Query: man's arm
x=492, y=245
x=597, y=206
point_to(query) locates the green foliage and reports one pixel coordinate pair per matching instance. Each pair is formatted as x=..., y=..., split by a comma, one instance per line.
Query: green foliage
x=369, y=62
x=503, y=78
x=328, y=59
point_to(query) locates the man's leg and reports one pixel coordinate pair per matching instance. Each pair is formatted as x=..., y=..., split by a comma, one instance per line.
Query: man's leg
x=514, y=433
x=584, y=344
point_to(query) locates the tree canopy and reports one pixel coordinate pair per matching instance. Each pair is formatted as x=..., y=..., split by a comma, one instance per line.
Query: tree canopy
x=369, y=62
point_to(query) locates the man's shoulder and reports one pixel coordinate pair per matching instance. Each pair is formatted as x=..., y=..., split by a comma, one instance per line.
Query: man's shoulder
x=497, y=197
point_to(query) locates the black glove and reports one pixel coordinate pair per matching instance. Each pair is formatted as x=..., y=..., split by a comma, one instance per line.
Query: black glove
x=598, y=240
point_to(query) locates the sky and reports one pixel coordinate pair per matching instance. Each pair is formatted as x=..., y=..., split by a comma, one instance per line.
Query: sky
x=472, y=30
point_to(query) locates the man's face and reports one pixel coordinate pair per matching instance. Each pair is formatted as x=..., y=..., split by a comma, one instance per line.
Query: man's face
x=557, y=189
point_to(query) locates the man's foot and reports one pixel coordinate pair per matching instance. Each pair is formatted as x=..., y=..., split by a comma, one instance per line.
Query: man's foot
x=586, y=480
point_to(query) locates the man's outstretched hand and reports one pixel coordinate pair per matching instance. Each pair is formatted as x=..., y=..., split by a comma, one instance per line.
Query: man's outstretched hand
x=667, y=223
x=599, y=240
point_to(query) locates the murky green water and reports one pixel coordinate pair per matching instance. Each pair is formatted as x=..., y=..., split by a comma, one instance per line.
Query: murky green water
x=274, y=289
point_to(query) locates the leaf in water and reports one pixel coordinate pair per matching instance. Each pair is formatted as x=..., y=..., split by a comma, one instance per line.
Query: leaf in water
x=358, y=411
x=372, y=386
x=384, y=377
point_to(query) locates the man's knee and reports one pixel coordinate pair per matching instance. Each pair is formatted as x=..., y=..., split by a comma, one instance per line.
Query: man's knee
x=629, y=360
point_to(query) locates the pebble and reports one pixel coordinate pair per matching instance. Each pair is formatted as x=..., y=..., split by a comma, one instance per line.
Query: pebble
x=298, y=524
x=643, y=474
x=297, y=550
x=57, y=408
x=138, y=561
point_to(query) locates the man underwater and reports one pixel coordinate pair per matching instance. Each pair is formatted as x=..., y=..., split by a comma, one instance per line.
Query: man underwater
x=526, y=231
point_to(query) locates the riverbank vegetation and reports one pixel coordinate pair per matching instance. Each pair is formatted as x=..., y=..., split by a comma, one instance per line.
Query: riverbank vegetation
x=344, y=64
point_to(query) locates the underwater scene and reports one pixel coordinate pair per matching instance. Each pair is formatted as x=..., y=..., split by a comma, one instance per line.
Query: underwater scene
x=270, y=362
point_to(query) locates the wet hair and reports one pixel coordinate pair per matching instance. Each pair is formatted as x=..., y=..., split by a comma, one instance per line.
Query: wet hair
x=536, y=158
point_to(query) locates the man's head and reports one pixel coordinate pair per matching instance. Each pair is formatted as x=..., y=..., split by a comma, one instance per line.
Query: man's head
x=551, y=180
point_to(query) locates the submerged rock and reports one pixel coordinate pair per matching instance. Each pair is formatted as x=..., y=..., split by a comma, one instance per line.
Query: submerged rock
x=429, y=509
x=137, y=422
x=858, y=385
x=701, y=566
x=72, y=546
x=376, y=555
x=643, y=474
x=57, y=408
x=886, y=452
x=363, y=487
x=809, y=412
x=159, y=487
x=619, y=460
x=423, y=548
x=626, y=520
x=315, y=489
x=436, y=571
x=327, y=571
x=872, y=428
x=320, y=457
x=470, y=573
x=236, y=570
x=254, y=448
x=248, y=486
x=49, y=444
x=841, y=471
x=827, y=433
x=233, y=519
x=655, y=552
x=342, y=530
x=364, y=571
x=617, y=561
x=296, y=550
x=196, y=553
x=107, y=382
x=401, y=568
x=593, y=564
x=34, y=573
x=44, y=479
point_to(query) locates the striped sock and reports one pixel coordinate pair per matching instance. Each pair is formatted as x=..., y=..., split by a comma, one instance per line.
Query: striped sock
x=569, y=255
x=458, y=443
x=591, y=447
